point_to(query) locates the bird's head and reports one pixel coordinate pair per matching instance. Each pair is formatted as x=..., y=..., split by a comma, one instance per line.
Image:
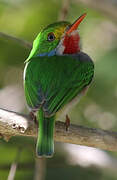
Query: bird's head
x=57, y=39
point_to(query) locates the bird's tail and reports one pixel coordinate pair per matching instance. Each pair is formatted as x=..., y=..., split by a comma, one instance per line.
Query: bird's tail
x=45, y=143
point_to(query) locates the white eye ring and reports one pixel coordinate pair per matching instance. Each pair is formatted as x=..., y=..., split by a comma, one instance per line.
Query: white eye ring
x=51, y=37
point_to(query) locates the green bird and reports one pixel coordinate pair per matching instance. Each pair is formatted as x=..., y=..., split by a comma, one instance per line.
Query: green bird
x=56, y=74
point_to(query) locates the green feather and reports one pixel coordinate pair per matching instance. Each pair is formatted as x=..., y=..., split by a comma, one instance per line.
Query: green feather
x=54, y=81
x=45, y=144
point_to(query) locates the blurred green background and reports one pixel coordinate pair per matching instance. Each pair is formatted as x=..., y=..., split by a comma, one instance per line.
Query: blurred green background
x=24, y=19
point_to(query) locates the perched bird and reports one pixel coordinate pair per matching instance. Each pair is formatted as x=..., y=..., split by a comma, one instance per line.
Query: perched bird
x=56, y=74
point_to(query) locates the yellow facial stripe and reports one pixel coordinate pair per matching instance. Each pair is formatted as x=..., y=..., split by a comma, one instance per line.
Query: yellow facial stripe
x=58, y=32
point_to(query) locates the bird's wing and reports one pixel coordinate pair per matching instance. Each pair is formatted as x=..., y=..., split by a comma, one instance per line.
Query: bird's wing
x=52, y=82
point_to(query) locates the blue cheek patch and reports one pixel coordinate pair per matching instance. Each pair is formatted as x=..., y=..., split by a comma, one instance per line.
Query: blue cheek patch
x=41, y=55
x=51, y=53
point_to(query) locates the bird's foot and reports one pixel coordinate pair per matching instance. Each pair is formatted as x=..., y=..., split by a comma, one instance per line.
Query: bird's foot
x=67, y=122
x=33, y=117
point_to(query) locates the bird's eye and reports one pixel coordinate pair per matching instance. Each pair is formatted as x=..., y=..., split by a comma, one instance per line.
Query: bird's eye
x=51, y=37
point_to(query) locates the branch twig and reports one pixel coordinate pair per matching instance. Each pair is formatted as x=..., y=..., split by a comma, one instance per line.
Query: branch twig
x=14, y=165
x=21, y=42
x=15, y=124
x=40, y=169
x=64, y=10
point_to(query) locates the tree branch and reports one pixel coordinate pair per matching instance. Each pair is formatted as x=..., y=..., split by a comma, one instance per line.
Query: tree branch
x=15, y=124
x=21, y=42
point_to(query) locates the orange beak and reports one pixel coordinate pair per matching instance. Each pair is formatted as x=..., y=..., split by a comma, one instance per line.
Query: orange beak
x=75, y=25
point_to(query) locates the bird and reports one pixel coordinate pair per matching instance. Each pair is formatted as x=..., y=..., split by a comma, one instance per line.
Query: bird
x=56, y=74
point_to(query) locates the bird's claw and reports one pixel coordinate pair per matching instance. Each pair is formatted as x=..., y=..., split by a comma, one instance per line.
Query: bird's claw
x=33, y=117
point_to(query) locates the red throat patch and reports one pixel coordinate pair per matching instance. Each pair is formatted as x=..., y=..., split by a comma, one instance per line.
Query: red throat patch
x=71, y=44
